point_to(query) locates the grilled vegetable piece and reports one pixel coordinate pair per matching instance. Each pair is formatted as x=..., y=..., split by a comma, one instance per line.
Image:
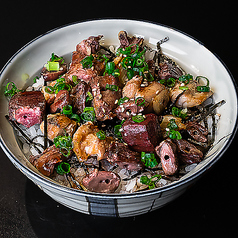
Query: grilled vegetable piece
x=27, y=108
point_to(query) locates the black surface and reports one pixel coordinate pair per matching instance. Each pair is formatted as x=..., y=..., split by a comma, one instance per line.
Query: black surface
x=207, y=209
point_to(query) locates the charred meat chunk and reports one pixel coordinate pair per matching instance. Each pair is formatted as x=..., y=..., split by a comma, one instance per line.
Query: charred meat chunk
x=188, y=153
x=197, y=131
x=167, y=154
x=53, y=75
x=27, y=108
x=168, y=70
x=126, y=41
x=101, y=181
x=119, y=154
x=128, y=109
x=79, y=96
x=90, y=45
x=46, y=161
x=142, y=136
x=59, y=125
x=103, y=98
x=62, y=99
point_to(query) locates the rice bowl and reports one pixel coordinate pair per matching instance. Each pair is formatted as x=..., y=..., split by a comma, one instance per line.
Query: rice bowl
x=189, y=53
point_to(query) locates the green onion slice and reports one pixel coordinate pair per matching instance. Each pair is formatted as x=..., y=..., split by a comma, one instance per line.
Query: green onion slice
x=117, y=131
x=64, y=143
x=204, y=88
x=87, y=62
x=67, y=110
x=62, y=168
x=138, y=118
x=75, y=117
x=101, y=135
x=52, y=66
x=122, y=100
x=140, y=101
x=183, y=88
x=88, y=114
x=148, y=159
x=11, y=89
x=49, y=89
x=112, y=87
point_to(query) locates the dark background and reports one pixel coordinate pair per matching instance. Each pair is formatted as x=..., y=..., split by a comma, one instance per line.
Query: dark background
x=209, y=208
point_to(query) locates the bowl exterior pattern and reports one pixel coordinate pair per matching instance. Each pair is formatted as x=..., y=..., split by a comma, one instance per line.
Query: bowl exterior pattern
x=189, y=53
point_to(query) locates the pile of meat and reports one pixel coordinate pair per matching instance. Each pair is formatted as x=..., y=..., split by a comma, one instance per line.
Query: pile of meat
x=97, y=159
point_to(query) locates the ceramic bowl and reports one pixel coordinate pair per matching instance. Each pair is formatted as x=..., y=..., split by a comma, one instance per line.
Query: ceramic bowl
x=189, y=53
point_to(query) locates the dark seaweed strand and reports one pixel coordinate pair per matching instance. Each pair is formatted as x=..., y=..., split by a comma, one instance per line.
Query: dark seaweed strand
x=31, y=142
x=210, y=110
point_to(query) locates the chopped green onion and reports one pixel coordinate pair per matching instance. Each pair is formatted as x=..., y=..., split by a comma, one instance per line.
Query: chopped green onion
x=185, y=78
x=112, y=87
x=183, y=87
x=150, y=181
x=117, y=131
x=122, y=100
x=170, y=82
x=54, y=58
x=101, y=135
x=64, y=143
x=177, y=112
x=172, y=133
x=205, y=88
x=88, y=114
x=87, y=62
x=138, y=118
x=11, y=89
x=75, y=117
x=52, y=66
x=67, y=110
x=49, y=89
x=75, y=79
x=62, y=168
x=148, y=159
x=140, y=103
x=89, y=97
x=175, y=135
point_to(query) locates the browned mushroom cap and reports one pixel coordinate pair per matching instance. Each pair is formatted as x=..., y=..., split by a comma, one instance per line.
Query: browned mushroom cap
x=101, y=181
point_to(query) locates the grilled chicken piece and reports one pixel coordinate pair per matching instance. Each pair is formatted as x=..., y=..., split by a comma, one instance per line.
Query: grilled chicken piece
x=155, y=94
x=27, y=108
x=46, y=161
x=86, y=143
x=190, y=98
x=59, y=125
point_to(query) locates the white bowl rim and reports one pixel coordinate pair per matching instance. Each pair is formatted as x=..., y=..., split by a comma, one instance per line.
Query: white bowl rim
x=155, y=191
